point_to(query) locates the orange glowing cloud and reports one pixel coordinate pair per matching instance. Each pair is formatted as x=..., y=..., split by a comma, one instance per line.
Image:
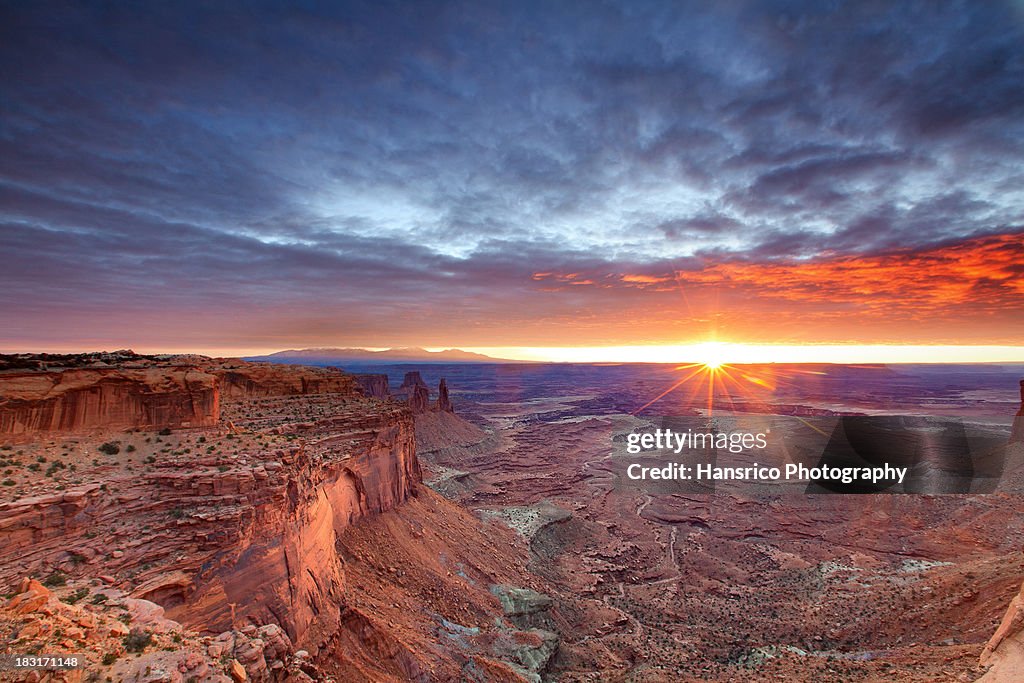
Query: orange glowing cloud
x=972, y=290
x=983, y=272
x=987, y=272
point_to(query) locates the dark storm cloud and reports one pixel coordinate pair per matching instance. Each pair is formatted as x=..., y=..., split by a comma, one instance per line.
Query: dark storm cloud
x=174, y=153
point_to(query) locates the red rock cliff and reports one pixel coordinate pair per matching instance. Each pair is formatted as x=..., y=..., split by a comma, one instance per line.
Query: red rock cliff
x=198, y=534
x=202, y=520
x=253, y=380
x=375, y=385
x=107, y=398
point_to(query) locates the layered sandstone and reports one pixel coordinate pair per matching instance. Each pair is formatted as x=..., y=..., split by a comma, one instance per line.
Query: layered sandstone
x=257, y=531
x=128, y=391
x=247, y=518
x=374, y=385
x=70, y=400
x=254, y=380
x=297, y=531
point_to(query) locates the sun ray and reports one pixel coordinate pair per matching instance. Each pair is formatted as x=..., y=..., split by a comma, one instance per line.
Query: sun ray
x=667, y=391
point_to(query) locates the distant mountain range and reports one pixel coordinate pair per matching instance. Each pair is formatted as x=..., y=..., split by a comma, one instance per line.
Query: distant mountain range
x=400, y=355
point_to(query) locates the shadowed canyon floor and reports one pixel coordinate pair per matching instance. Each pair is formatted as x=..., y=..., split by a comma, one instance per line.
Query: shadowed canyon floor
x=734, y=586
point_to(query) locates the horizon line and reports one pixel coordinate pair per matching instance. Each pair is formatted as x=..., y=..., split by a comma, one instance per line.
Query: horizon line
x=754, y=354
x=702, y=352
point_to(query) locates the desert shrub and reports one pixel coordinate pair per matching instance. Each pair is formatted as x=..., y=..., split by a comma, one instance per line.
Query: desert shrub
x=166, y=431
x=55, y=579
x=137, y=640
x=109, y=448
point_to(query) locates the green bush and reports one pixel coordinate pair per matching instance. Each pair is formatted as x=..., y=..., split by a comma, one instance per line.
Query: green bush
x=109, y=448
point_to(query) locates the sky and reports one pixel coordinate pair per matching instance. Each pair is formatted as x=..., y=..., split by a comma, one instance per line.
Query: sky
x=247, y=177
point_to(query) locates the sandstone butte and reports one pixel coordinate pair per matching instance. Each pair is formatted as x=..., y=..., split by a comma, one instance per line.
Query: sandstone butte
x=284, y=536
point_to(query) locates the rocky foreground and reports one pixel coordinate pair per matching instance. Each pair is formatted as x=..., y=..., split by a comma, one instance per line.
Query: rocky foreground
x=192, y=519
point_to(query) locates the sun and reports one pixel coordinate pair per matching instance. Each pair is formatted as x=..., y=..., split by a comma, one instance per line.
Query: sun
x=711, y=355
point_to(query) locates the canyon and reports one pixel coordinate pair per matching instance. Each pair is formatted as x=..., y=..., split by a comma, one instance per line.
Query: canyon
x=281, y=534
x=299, y=523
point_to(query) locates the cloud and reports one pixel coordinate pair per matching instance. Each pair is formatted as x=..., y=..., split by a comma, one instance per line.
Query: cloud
x=372, y=172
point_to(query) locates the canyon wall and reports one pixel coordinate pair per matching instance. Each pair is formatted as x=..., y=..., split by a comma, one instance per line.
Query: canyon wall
x=161, y=394
x=258, y=533
x=289, y=542
x=107, y=398
x=239, y=525
x=254, y=380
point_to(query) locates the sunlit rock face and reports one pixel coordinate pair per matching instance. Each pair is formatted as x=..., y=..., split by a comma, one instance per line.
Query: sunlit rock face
x=295, y=527
x=71, y=400
x=234, y=518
